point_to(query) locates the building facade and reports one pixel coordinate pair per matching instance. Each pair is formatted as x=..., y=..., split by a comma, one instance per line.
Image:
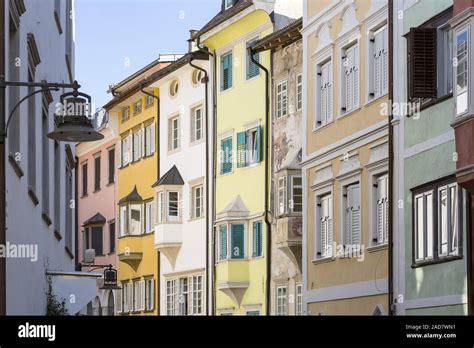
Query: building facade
x=137, y=112
x=40, y=196
x=345, y=157
x=180, y=194
x=241, y=203
x=286, y=48
x=97, y=227
x=432, y=215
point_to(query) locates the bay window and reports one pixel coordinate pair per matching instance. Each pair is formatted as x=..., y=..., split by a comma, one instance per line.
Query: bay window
x=231, y=241
x=168, y=206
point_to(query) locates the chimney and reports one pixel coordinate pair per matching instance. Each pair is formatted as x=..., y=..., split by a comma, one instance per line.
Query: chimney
x=191, y=42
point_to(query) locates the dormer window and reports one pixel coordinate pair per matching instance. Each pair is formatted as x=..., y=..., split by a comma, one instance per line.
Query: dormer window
x=228, y=4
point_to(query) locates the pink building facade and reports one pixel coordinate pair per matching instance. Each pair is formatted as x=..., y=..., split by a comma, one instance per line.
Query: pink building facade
x=97, y=227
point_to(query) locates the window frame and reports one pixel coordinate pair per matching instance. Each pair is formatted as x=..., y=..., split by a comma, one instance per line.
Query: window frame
x=229, y=255
x=282, y=195
x=224, y=88
x=344, y=109
x=299, y=92
x=292, y=191
x=137, y=107
x=433, y=189
x=248, y=61
x=171, y=134
x=254, y=245
x=299, y=299
x=281, y=300
x=318, y=121
x=222, y=139
x=194, y=207
x=464, y=29
x=97, y=171
x=123, y=112
x=281, y=99
x=148, y=218
x=194, y=128
x=321, y=196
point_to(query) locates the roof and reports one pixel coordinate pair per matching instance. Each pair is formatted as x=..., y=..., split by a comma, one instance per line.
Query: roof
x=235, y=209
x=283, y=37
x=97, y=219
x=132, y=197
x=224, y=15
x=157, y=75
x=172, y=177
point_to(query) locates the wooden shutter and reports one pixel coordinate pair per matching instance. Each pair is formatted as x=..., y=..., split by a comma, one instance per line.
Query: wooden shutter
x=385, y=62
x=381, y=230
x=329, y=92
x=257, y=239
x=226, y=156
x=241, y=149
x=422, y=63
x=237, y=241
x=223, y=242
x=142, y=295
x=355, y=77
x=378, y=64
x=259, y=141
x=355, y=216
x=348, y=224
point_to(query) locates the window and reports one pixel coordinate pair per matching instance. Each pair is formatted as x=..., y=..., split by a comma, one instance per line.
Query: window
x=249, y=147
x=196, y=77
x=149, y=208
x=282, y=99
x=282, y=195
x=196, y=295
x=97, y=240
x=226, y=156
x=196, y=124
x=137, y=107
x=150, y=139
x=297, y=194
x=380, y=232
x=299, y=92
x=111, y=237
x=223, y=242
x=252, y=313
x=197, y=201
x=149, y=101
x=237, y=241
x=125, y=114
x=97, y=173
x=257, y=239
x=127, y=296
x=126, y=149
x=84, y=179
x=299, y=299
x=184, y=296
x=252, y=68
x=351, y=198
x=174, y=88
x=137, y=144
x=111, y=165
x=226, y=71
x=462, y=71
x=430, y=59
x=123, y=221
x=171, y=298
x=324, y=228
x=438, y=222
x=149, y=294
x=45, y=160
x=69, y=209
x=135, y=219
x=173, y=206
x=173, y=134
x=378, y=65
x=138, y=295
x=282, y=300
x=324, y=93
x=228, y=4
x=350, y=79
x=161, y=206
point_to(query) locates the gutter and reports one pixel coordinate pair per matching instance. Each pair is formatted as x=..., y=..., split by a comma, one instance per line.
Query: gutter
x=267, y=173
x=158, y=147
x=391, y=304
x=206, y=132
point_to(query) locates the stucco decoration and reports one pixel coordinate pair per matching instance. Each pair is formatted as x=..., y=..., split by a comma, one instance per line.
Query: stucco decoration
x=323, y=35
x=348, y=18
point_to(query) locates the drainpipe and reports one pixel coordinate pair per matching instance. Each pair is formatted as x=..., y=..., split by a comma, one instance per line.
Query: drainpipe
x=2, y=163
x=267, y=174
x=158, y=138
x=76, y=212
x=391, y=304
x=206, y=132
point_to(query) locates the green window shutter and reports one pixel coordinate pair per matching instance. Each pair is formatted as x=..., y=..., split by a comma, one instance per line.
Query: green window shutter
x=237, y=242
x=226, y=71
x=241, y=150
x=226, y=156
x=223, y=242
x=252, y=68
x=258, y=155
x=257, y=239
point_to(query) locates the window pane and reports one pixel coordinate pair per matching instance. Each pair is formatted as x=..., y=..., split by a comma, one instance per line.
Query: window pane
x=429, y=225
x=454, y=221
x=173, y=205
x=419, y=229
x=443, y=221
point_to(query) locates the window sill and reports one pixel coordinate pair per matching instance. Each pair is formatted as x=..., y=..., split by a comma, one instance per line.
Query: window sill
x=84, y=196
x=110, y=184
x=46, y=218
x=111, y=253
x=373, y=100
x=432, y=102
x=196, y=218
x=322, y=126
x=57, y=19
x=251, y=166
x=96, y=191
x=226, y=174
x=348, y=113
x=32, y=195
x=174, y=151
x=436, y=261
x=16, y=166
x=69, y=252
x=124, y=166
x=374, y=248
x=323, y=260
x=224, y=91
x=196, y=142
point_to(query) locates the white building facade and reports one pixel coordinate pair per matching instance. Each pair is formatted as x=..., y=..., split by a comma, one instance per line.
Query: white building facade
x=180, y=193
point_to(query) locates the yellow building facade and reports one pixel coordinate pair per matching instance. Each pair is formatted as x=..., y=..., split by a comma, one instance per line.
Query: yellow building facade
x=137, y=114
x=345, y=157
x=240, y=232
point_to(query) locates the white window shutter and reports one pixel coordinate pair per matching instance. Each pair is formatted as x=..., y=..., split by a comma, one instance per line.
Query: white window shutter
x=129, y=148
x=152, y=138
x=355, y=216
x=384, y=37
x=380, y=219
x=329, y=94
x=118, y=300
x=130, y=297
x=323, y=237
x=152, y=294
x=355, y=78
x=142, y=295
x=378, y=64
x=348, y=222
